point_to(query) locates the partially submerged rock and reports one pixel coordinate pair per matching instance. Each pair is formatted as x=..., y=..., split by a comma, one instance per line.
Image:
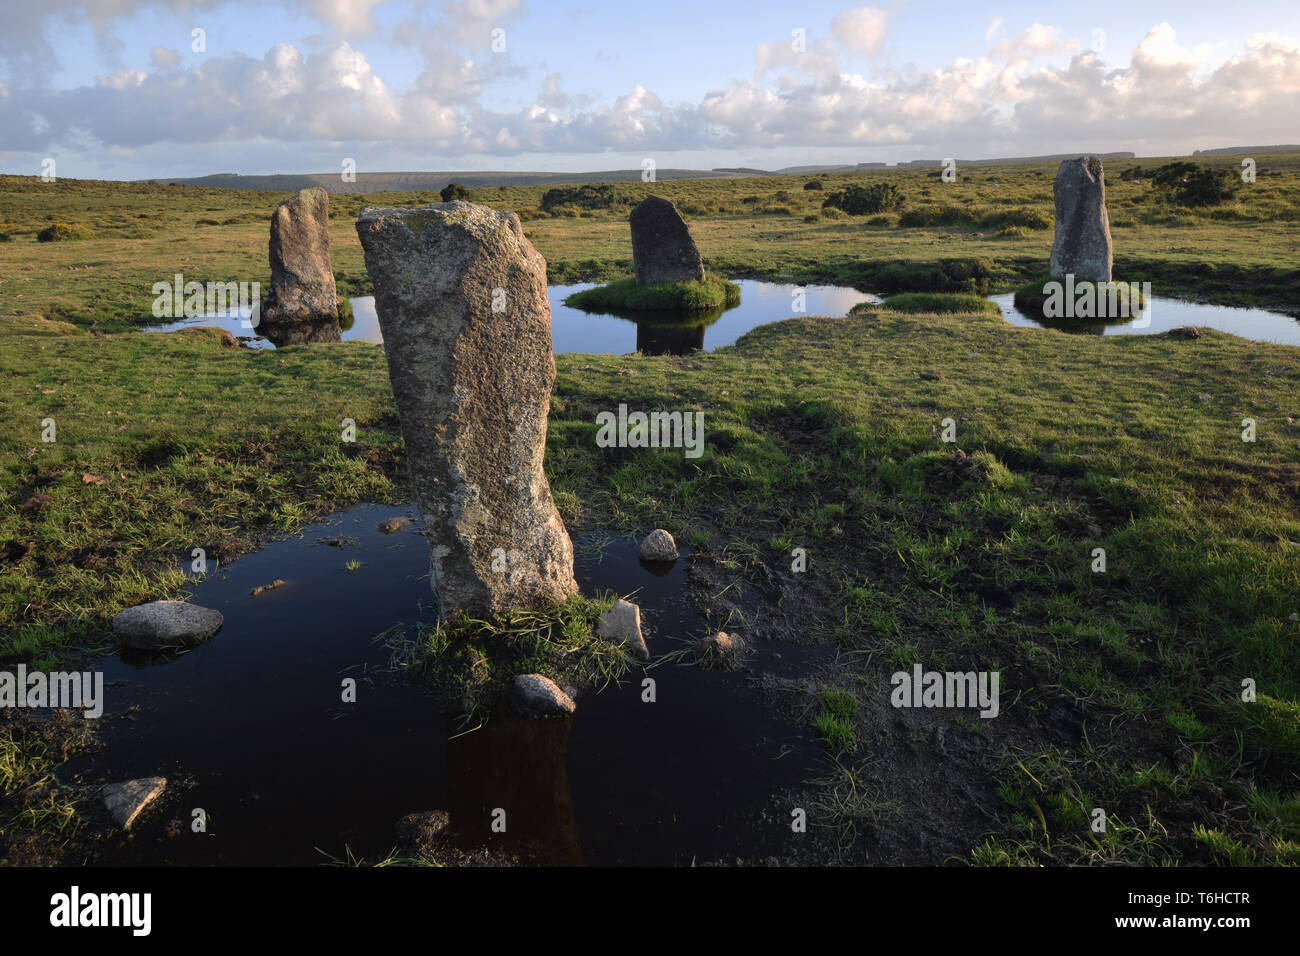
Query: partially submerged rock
x=125, y=801
x=393, y=525
x=721, y=650
x=533, y=695
x=662, y=247
x=160, y=625
x=621, y=624
x=460, y=294
x=1082, y=246
x=658, y=545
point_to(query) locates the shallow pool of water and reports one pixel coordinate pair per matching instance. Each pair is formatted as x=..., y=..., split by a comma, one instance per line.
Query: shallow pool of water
x=251, y=727
x=575, y=331
x=1166, y=314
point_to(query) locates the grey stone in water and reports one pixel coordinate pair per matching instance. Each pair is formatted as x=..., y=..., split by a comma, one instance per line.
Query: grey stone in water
x=461, y=299
x=1082, y=245
x=124, y=801
x=536, y=696
x=302, y=303
x=621, y=624
x=658, y=545
x=164, y=624
x=662, y=247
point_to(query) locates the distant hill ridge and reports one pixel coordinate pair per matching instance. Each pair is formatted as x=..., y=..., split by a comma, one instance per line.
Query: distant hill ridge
x=1236, y=150
x=435, y=181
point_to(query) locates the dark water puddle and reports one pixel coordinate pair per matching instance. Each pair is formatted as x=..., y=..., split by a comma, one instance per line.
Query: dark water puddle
x=573, y=330
x=1166, y=314
x=254, y=720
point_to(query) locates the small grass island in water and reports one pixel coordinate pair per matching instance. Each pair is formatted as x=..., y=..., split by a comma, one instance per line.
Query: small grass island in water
x=1082, y=301
x=712, y=293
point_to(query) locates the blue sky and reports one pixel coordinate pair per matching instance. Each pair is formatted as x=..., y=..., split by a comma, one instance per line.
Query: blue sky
x=112, y=89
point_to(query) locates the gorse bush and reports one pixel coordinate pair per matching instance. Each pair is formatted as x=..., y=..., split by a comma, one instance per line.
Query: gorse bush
x=587, y=196
x=1023, y=216
x=1188, y=184
x=62, y=231
x=939, y=216
x=864, y=200
x=453, y=191
x=946, y=275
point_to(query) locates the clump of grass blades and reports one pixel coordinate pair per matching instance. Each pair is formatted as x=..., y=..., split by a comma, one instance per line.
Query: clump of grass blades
x=479, y=655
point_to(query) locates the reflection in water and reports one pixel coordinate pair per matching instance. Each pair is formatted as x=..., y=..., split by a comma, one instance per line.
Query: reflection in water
x=519, y=767
x=299, y=333
x=669, y=339
x=575, y=331
x=1166, y=314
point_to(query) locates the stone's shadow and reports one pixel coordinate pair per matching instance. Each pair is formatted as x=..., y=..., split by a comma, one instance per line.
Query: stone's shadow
x=521, y=767
x=299, y=333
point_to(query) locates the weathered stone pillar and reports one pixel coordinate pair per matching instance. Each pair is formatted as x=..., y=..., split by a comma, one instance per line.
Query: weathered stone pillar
x=461, y=299
x=662, y=247
x=302, y=304
x=1082, y=245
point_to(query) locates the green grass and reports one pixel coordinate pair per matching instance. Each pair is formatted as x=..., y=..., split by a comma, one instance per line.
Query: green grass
x=821, y=434
x=1032, y=297
x=477, y=657
x=710, y=294
x=834, y=723
x=939, y=302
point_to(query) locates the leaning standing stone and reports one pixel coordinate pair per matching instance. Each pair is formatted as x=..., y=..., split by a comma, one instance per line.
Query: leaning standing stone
x=461, y=299
x=662, y=247
x=1082, y=246
x=302, y=278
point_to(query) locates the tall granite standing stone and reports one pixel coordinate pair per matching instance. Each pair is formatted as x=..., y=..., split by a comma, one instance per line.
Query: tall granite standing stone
x=1082, y=246
x=461, y=298
x=662, y=247
x=302, y=304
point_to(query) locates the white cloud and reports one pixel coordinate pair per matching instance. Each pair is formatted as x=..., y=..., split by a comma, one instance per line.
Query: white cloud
x=164, y=58
x=862, y=29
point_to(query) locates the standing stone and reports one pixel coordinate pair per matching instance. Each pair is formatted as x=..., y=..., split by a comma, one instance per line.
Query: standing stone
x=1082, y=246
x=461, y=298
x=662, y=247
x=302, y=304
